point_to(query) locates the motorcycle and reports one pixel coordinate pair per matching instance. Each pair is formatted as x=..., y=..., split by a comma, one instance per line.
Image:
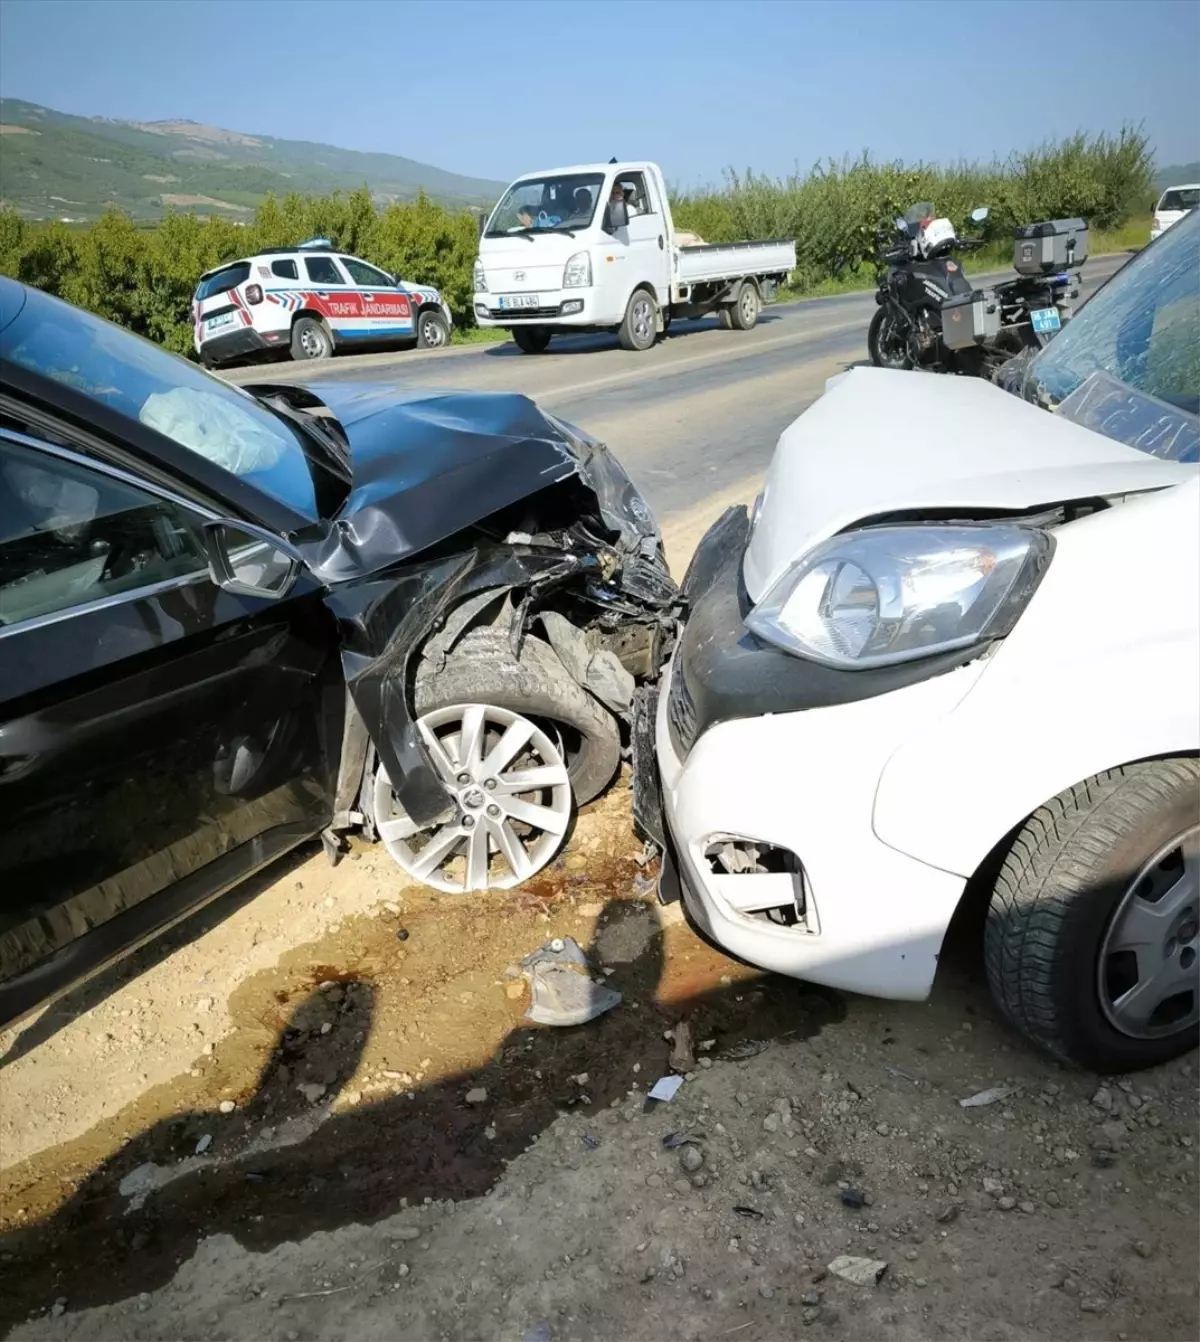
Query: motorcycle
x=932, y=317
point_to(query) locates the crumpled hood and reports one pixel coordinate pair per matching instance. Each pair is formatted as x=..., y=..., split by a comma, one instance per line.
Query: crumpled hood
x=426, y=464
x=881, y=442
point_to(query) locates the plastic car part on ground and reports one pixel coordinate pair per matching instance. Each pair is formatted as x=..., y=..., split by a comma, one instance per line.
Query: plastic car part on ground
x=562, y=991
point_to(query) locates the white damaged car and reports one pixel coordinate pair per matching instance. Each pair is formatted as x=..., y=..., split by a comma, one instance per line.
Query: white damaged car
x=956, y=650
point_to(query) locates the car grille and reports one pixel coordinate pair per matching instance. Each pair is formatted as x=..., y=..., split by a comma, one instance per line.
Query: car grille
x=521, y=314
x=681, y=715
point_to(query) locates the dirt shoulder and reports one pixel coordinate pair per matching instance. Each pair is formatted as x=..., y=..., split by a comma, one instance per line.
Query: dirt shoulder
x=326, y=1116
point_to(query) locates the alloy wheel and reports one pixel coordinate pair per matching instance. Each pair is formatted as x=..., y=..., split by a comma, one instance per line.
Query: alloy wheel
x=509, y=802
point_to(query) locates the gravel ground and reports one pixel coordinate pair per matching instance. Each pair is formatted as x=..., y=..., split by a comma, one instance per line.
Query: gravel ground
x=397, y=1153
x=323, y=1114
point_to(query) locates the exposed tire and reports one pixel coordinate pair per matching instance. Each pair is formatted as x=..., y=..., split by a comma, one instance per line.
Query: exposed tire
x=887, y=348
x=433, y=330
x=310, y=339
x=639, y=329
x=725, y=319
x=1111, y=853
x=743, y=315
x=531, y=339
x=483, y=670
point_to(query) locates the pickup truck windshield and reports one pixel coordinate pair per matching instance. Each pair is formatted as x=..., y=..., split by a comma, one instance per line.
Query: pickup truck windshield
x=547, y=204
x=1129, y=364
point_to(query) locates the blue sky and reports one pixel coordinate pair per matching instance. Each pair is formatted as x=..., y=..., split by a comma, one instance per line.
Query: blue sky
x=500, y=87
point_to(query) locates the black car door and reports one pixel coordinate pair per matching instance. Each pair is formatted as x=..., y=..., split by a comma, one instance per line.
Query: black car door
x=160, y=737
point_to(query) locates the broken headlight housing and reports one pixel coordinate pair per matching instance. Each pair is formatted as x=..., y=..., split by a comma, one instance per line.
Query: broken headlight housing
x=891, y=594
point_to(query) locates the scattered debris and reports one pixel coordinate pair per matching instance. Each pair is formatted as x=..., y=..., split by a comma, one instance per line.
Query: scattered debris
x=590, y=1142
x=138, y=1184
x=991, y=1096
x=402, y=934
x=665, y=1088
x=476, y=1096
x=948, y=1214
x=683, y=1056
x=644, y=885
x=561, y=989
x=227, y=1106
x=206, y=1141
x=748, y=1213
x=860, y=1271
x=853, y=1198
x=674, y=1139
x=540, y=1332
x=746, y=1048
x=899, y=1073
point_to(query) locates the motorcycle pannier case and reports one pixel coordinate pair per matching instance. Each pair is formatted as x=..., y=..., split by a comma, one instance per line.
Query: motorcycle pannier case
x=970, y=319
x=1056, y=244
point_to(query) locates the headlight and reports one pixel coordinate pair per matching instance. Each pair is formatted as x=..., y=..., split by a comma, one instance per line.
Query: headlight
x=480, y=278
x=893, y=594
x=577, y=273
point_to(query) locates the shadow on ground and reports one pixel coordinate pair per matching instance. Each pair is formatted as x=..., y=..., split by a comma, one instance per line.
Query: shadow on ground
x=357, y=1164
x=600, y=340
x=97, y=989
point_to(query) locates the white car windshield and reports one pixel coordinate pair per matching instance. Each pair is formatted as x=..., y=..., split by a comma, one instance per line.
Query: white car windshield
x=1180, y=198
x=208, y=416
x=1129, y=364
x=547, y=204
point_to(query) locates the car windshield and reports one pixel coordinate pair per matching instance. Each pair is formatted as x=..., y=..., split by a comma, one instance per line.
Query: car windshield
x=221, y=281
x=1129, y=364
x=1180, y=198
x=922, y=210
x=547, y=204
x=212, y=418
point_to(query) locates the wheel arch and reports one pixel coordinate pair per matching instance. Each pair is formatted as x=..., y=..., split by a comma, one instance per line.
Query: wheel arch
x=991, y=857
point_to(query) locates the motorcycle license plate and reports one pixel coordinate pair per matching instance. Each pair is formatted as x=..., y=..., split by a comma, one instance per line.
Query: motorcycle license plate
x=1046, y=320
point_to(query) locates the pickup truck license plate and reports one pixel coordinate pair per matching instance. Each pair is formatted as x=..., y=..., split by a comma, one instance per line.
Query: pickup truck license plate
x=518, y=301
x=1045, y=320
x=215, y=323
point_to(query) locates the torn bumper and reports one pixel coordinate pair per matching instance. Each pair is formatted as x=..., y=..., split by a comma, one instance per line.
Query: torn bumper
x=839, y=907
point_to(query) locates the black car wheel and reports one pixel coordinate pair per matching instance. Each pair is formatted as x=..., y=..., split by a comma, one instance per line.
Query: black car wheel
x=310, y=339
x=639, y=330
x=743, y=316
x=1093, y=933
x=520, y=743
x=531, y=339
x=433, y=330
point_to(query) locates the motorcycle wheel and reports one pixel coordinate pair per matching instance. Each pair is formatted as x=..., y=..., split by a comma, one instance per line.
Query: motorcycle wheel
x=887, y=344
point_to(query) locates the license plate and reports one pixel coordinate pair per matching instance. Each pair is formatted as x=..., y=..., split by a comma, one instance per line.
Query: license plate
x=518, y=301
x=215, y=323
x=1045, y=320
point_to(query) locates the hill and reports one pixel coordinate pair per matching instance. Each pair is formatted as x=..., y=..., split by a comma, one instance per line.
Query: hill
x=53, y=166
x=1175, y=175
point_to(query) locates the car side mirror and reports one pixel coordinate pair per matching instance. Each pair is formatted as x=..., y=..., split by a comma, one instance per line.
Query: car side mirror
x=616, y=215
x=980, y=214
x=249, y=560
x=482, y=222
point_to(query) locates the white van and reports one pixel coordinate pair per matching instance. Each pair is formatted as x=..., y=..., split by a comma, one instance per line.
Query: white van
x=1172, y=205
x=594, y=248
x=310, y=300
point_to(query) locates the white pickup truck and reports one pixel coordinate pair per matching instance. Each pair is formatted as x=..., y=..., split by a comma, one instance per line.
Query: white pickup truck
x=594, y=248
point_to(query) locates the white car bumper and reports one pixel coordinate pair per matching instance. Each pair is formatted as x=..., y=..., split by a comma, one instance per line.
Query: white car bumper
x=873, y=918
x=558, y=307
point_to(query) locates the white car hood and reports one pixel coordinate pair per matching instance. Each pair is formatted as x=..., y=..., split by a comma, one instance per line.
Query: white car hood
x=881, y=442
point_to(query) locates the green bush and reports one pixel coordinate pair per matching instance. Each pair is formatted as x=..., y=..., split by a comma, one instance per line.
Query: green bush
x=144, y=278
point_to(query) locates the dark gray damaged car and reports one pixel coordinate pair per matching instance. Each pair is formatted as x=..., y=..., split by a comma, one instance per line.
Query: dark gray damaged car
x=235, y=619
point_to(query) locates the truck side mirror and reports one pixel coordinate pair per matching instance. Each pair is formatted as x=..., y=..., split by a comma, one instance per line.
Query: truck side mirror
x=616, y=215
x=980, y=214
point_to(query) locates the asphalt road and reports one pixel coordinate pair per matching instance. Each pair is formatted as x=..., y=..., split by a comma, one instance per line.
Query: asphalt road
x=695, y=417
